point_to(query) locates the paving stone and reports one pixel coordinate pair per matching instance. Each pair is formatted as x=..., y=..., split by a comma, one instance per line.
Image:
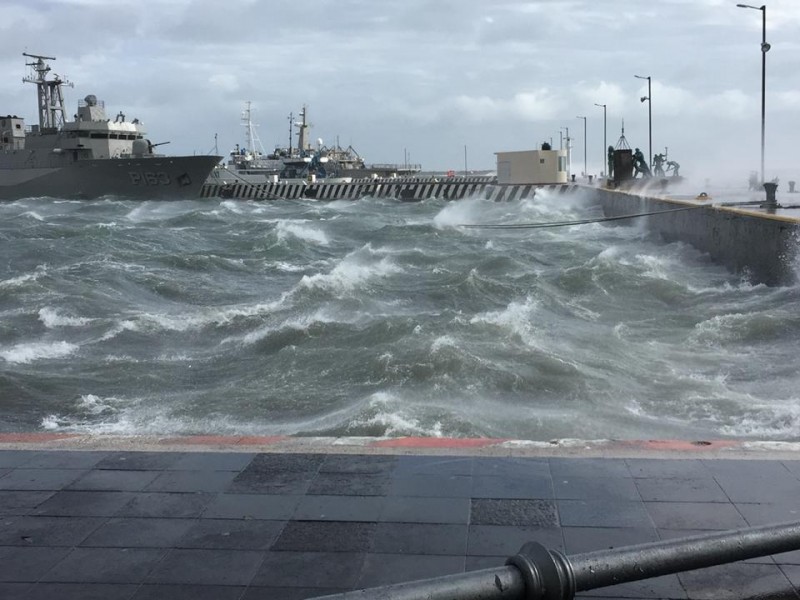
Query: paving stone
x=85, y=459
x=231, y=534
x=219, y=567
x=757, y=488
x=680, y=490
x=212, y=461
x=252, y=506
x=738, y=581
x=787, y=509
x=478, y=563
x=537, y=513
x=28, y=564
x=47, y=531
x=694, y=515
x=606, y=513
x=278, y=593
x=272, y=482
x=189, y=592
x=420, y=538
x=667, y=468
x=513, y=468
x=339, y=508
x=595, y=488
x=602, y=468
x=326, y=536
x=578, y=540
x=139, y=461
x=138, y=533
x=433, y=465
x=84, y=504
x=16, y=458
x=432, y=486
x=39, y=479
x=386, y=569
x=426, y=510
x=22, y=502
x=119, y=481
x=358, y=463
x=191, y=481
x=81, y=591
x=496, y=540
x=15, y=591
x=165, y=505
x=753, y=470
x=105, y=565
x=347, y=484
x=502, y=487
x=310, y=569
x=264, y=464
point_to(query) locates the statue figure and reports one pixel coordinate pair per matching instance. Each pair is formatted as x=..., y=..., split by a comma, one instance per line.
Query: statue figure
x=658, y=161
x=640, y=165
x=673, y=166
x=610, y=162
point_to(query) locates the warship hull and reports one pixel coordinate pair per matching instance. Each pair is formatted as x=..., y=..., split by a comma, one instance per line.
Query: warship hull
x=148, y=178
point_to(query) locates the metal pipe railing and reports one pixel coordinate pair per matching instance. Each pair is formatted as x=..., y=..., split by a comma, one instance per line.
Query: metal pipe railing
x=536, y=573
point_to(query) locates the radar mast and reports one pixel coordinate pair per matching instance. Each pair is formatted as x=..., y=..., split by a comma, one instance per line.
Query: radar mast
x=51, y=97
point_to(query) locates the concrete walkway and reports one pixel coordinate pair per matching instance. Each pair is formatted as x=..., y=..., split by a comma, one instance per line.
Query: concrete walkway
x=227, y=524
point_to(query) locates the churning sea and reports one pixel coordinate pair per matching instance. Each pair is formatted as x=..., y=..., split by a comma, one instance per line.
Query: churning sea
x=377, y=317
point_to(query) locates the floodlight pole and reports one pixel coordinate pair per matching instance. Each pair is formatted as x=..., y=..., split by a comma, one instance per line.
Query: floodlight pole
x=649, y=118
x=585, y=168
x=764, y=49
x=605, y=143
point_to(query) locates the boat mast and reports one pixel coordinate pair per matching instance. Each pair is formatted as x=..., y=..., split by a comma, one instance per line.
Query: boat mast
x=291, y=123
x=302, y=132
x=51, y=97
x=254, y=146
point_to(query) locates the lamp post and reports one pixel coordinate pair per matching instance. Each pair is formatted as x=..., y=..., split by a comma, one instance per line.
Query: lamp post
x=649, y=99
x=585, y=168
x=605, y=143
x=764, y=49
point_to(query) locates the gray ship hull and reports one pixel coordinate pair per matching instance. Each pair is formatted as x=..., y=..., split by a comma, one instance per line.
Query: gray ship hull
x=147, y=178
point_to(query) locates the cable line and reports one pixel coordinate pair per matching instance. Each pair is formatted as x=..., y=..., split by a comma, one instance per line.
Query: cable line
x=578, y=222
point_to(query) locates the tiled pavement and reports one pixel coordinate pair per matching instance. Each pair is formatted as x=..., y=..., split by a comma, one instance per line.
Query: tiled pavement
x=244, y=526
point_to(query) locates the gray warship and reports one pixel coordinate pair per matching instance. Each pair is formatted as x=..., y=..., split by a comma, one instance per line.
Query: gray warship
x=90, y=156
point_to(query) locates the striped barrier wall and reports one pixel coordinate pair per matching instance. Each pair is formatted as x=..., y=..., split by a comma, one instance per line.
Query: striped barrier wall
x=405, y=190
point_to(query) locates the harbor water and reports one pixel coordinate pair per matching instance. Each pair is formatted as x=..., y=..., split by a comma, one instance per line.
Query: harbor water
x=377, y=317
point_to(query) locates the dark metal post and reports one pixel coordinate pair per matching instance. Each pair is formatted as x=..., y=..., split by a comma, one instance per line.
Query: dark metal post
x=605, y=143
x=538, y=573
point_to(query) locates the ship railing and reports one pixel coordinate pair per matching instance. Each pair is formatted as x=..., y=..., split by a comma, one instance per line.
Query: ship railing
x=538, y=573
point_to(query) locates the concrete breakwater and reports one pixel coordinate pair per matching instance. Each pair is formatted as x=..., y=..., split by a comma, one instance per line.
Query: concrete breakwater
x=759, y=243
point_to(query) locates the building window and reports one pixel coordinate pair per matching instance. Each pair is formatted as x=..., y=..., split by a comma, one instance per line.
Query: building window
x=541, y=161
x=562, y=163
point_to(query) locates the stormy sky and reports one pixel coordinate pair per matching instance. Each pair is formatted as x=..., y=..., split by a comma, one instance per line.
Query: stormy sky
x=439, y=83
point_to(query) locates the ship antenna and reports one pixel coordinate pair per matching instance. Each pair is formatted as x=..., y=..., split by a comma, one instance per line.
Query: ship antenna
x=51, y=96
x=253, y=142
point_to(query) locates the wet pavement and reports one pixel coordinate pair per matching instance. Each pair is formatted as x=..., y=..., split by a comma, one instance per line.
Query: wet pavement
x=230, y=525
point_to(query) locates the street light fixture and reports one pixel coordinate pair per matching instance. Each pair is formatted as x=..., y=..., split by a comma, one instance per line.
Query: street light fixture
x=605, y=146
x=649, y=99
x=764, y=49
x=585, y=168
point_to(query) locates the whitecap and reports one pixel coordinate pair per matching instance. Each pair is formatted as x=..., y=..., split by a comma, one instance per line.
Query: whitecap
x=33, y=351
x=52, y=319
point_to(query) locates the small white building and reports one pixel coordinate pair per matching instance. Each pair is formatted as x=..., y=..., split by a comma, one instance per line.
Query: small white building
x=532, y=167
